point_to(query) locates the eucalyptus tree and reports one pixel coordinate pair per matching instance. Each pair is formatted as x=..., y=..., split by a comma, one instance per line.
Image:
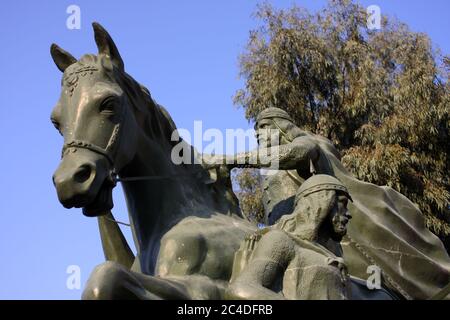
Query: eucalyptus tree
x=382, y=96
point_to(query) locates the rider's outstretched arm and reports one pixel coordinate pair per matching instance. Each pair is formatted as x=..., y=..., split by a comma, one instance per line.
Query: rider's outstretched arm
x=285, y=157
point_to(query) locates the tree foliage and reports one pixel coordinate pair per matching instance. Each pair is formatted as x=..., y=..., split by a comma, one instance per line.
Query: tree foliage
x=382, y=97
x=248, y=190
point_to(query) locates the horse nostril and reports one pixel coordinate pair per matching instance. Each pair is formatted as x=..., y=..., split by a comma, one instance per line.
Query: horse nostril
x=83, y=173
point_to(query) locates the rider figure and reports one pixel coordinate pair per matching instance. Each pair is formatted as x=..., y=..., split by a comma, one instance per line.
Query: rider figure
x=386, y=225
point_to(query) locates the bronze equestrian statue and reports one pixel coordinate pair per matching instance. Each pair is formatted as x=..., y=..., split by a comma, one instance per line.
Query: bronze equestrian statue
x=184, y=218
x=185, y=230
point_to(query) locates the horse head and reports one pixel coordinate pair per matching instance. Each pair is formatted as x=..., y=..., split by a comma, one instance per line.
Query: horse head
x=97, y=116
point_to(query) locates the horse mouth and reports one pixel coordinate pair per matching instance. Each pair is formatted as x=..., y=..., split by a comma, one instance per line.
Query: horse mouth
x=102, y=203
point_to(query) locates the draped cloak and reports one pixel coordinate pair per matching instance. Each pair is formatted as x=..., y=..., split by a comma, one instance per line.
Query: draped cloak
x=387, y=229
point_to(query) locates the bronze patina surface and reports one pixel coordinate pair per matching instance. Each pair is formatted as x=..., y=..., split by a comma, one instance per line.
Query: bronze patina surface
x=187, y=225
x=186, y=231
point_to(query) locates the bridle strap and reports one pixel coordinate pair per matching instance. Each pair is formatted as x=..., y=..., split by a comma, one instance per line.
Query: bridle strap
x=79, y=144
x=110, y=147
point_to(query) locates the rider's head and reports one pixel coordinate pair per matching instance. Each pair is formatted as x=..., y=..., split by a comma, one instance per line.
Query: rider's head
x=271, y=120
x=320, y=206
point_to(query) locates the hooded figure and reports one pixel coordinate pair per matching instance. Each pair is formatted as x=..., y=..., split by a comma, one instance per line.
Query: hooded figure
x=299, y=258
x=387, y=229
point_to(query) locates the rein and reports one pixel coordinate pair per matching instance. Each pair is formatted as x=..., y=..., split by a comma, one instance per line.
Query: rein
x=141, y=178
x=116, y=179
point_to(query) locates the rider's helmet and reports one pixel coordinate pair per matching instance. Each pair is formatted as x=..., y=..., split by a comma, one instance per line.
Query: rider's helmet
x=320, y=182
x=270, y=113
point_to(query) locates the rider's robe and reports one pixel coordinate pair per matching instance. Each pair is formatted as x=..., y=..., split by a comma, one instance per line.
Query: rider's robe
x=386, y=230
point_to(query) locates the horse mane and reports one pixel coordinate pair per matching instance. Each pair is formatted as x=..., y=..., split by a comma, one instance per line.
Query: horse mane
x=159, y=124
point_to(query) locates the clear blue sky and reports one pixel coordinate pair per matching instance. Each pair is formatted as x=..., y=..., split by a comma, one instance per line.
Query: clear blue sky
x=185, y=52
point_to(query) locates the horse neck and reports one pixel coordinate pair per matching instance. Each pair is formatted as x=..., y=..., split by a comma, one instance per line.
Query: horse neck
x=155, y=205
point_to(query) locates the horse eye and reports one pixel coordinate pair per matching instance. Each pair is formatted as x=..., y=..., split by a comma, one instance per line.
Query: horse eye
x=108, y=106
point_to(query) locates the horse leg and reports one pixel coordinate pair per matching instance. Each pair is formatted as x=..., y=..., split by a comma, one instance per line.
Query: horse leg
x=200, y=253
x=181, y=253
x=111, y=280
x=115, y=246
x=182, y=258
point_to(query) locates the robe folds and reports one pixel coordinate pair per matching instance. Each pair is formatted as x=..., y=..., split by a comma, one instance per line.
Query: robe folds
x=387, y=229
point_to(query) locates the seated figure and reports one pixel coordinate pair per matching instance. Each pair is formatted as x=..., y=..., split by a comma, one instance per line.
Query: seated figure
x=300, y=256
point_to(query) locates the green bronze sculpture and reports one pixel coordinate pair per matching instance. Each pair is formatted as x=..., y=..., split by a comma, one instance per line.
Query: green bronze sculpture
x=111, y=126
x=185, y=219
x=387, y=230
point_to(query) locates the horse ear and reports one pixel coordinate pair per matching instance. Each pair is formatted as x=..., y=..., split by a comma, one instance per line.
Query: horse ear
x=106, y=45
x=61, y=57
